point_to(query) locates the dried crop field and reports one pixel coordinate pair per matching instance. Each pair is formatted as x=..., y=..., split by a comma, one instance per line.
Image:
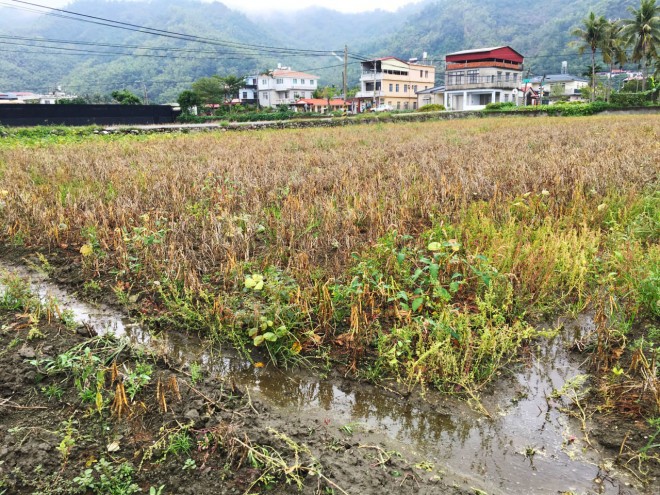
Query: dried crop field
x=421, y=251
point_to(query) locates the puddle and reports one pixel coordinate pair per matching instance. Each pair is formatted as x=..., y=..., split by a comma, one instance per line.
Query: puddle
x=486, y=454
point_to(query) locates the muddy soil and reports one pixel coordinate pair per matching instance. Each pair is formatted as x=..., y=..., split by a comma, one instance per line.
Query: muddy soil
x=49, y=437
x=47, y=442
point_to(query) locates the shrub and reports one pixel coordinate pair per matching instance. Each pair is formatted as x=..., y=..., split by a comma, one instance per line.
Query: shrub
x=631, y=99
x=432, y=107
x=501, y=106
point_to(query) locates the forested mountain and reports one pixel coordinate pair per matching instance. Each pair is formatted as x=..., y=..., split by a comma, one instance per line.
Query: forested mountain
x=541, y=32
x=123, y=58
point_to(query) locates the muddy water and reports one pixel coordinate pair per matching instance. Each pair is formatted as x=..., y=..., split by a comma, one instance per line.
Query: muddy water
x=530, y=445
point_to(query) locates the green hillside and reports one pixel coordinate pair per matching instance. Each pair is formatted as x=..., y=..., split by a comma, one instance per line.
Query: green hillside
x=541, y=33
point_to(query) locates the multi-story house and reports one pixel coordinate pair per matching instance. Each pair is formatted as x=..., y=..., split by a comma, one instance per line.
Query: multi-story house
x=249, y=94
x=475, y=78
x=393, y=82
x=284, y=86
x=559, y=87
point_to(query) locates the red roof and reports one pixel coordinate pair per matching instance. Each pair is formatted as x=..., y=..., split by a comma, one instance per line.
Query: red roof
x=495, y=53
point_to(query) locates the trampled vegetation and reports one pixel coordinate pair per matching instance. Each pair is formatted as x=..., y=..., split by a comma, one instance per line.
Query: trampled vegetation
x=424, y=251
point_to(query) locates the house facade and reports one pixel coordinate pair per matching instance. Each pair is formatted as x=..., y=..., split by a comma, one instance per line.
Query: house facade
x=319, y=105
x=431, y=96
x=558, y=87
x=249, y=94
x=391, y=81
x=475, y=78
x=285, y=86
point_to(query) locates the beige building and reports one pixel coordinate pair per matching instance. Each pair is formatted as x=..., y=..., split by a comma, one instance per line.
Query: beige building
x=393, y=82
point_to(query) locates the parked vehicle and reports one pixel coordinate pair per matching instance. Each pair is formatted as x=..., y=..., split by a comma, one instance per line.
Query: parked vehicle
x=384, y=107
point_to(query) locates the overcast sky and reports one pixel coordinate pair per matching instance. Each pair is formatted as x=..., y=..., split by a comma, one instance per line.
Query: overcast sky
x=269, y=5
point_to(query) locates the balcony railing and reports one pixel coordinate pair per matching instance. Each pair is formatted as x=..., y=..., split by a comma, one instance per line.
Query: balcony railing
x=481, y=82
x=369, y=94
x=477, y=65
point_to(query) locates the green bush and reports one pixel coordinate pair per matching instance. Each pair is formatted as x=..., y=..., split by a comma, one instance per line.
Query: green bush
x=432, y=107
x=631, y=99
x=500, y=106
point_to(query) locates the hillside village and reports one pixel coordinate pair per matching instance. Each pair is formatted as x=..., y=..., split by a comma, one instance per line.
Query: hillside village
x=473, y=79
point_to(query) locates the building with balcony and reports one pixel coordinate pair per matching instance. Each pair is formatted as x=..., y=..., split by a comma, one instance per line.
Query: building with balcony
x=248, y=95
x=393, y=82
x=475, y=78
x=284, y=86
x=559, y=87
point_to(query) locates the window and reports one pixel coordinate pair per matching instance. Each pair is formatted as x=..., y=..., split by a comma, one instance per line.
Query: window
x=426, y=73
x=279, y=81
x=515, y=77
x=506, y=97
x=472, y=76
x=391, y=87
x=295, y=81
x=415, y=88
x=302, y=81
x=405, y=88
x=312, y=82
x=398, y=105
x=414, y=105
x=264, y=82
x=405, y=105
x=499, y=76
x=245, y=95
x=421, y=73
x=507, y=76
x=397, y=88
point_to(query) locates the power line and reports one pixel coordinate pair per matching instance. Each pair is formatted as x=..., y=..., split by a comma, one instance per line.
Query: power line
x=67, y=14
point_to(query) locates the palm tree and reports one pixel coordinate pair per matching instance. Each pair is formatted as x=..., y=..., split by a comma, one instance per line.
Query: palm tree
x=591, y=35
x=642, y=32
x=614, y=50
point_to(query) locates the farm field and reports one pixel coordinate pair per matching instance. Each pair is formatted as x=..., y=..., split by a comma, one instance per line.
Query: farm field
x=425, y=258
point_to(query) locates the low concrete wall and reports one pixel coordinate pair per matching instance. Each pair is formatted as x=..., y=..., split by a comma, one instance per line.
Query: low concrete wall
x=343, y=121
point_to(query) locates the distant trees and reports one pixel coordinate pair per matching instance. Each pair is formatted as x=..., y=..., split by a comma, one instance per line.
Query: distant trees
x=642, y=33
x=187, y=100
x=216, y=90
x=125, y=97
x=591, y=34
x=614, y=50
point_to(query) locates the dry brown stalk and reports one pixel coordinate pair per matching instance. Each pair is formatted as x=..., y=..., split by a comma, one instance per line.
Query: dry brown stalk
x=120, y=405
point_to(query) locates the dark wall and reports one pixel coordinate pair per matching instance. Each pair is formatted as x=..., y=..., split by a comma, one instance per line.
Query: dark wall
x=29, y=115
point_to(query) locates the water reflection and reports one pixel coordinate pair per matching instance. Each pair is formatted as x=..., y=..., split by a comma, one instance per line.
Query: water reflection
x=453, y=437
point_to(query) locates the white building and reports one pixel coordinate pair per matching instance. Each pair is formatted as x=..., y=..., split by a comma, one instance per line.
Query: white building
x=284, y=86
x=560, y=86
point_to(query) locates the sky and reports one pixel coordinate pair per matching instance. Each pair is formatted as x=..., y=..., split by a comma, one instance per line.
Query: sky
x=269, y=5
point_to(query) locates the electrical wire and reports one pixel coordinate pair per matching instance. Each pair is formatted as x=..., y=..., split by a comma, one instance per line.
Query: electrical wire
x=161, y=32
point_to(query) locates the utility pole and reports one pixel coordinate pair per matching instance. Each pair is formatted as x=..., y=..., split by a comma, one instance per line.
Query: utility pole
x=345, y=75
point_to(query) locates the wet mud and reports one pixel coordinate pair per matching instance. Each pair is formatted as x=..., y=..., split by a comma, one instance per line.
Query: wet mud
x=375, y=439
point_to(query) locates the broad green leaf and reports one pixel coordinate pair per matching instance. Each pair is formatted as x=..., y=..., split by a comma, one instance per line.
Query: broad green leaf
x=417, y=303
